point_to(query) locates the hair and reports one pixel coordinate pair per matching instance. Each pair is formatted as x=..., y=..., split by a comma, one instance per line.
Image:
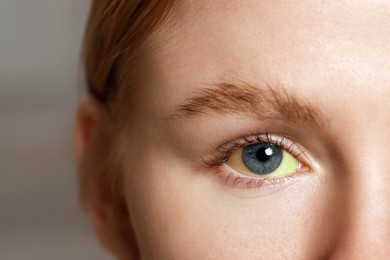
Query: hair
x=114, y=35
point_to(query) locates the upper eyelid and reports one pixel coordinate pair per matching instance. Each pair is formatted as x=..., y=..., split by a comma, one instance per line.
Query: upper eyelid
x=277, y=139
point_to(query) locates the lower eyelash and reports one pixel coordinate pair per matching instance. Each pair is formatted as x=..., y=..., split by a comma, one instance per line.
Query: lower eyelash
x=231, y=178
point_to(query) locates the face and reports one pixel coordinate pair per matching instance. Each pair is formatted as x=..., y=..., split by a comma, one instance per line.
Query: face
x=261, y=132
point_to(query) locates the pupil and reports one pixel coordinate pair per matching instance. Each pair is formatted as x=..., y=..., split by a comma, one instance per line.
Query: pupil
x=264, y=154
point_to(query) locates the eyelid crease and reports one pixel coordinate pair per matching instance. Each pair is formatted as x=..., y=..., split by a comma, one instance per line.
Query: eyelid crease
x=263, y=103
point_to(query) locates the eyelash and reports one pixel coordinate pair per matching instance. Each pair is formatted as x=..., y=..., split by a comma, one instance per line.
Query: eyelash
x=224, y=152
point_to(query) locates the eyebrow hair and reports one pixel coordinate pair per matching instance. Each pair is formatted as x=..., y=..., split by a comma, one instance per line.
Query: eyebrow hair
x=264, y=103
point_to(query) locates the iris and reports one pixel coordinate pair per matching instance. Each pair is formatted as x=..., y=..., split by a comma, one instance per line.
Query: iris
x=262, y=158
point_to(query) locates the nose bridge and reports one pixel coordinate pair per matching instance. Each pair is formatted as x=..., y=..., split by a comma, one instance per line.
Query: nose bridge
x=366, y=231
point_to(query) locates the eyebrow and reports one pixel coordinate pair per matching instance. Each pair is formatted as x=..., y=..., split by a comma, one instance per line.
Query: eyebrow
x=264, y=103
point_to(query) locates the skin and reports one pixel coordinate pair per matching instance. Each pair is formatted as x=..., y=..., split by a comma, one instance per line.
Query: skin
x=333, y=54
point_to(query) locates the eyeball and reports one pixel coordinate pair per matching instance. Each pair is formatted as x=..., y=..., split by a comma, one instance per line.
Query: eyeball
x=263, y=159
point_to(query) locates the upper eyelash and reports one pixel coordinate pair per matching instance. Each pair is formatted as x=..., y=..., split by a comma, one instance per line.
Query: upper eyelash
x=223, y=153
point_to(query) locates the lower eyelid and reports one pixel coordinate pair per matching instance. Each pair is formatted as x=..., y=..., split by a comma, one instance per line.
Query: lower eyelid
x=236, y=180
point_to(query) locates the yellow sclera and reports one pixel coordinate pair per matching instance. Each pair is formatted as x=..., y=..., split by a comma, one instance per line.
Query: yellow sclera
x=288, y=166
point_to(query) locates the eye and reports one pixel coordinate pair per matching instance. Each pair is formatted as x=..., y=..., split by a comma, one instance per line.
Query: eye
x=263, y=160
x=258, y=160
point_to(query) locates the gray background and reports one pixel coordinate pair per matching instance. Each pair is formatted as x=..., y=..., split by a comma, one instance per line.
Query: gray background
x=40, y=83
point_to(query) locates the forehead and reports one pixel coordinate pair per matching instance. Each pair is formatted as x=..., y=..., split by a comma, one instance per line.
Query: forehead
x=304, y=45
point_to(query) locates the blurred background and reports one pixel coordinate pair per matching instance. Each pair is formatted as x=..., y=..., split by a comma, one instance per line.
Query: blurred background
x=40, y=83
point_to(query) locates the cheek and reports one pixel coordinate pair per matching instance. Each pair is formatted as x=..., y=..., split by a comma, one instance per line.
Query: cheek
x=181, y=214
